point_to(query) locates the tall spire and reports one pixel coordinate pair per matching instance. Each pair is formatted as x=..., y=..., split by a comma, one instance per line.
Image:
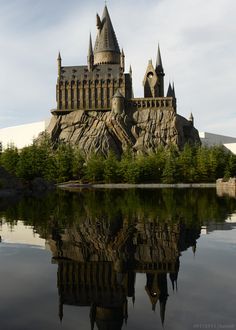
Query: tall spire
x=90, y=54
x=59, y=64
x=173, y=89
x=159, y=67
x=169, y=91
x=106, y=48
x=122, y=60
x=191, y=119
x=130, y=71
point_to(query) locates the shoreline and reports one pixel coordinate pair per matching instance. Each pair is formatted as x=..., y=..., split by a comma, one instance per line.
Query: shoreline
x=71, y=185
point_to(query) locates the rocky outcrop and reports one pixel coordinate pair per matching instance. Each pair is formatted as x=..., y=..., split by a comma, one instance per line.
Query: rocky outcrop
x=140, y=130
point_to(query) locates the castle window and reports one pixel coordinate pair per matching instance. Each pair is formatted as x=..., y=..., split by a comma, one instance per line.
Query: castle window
x=97, y=75
x=102, y=97
x=90, y=98
x=150, y=75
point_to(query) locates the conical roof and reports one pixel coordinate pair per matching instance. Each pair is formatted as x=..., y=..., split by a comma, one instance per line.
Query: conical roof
x=173, y=89
x=106, y=38
x=90, y=50
x=159, y=67
x=169, y=91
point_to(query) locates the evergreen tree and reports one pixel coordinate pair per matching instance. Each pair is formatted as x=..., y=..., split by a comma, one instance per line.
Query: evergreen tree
x=9, y=159
x=94, y=169
x=111, y=173
x=64, y=157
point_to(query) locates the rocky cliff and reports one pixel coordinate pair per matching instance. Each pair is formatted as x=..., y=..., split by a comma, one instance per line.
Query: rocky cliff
x=141, y=130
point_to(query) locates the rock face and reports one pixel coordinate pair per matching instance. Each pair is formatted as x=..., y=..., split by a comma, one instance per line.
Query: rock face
x=141, y=130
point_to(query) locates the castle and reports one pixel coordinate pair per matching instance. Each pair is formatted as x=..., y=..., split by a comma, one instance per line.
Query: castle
x=102, y=84
x=97, y=111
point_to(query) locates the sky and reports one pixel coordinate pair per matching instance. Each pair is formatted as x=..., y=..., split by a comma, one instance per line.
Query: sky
x=197, y=41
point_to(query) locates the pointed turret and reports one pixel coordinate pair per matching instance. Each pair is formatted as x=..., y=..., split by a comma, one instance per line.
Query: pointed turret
x=169, y=91
x=122, y=60
x=160, y=72
x=130, y=71
x=173, y=89
x=106, y=48
x=159, y=67
x=191, y=119
x=59, y=64
x=90, y=54
x=99, y=23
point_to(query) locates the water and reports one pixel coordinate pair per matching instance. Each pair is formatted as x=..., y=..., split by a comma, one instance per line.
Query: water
x=123, y=259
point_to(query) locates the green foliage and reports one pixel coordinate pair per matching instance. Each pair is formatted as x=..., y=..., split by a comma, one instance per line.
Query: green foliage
x=64, y=159
x=31, y=162
x=9, y=159
x=78, y=165
x=186, y=164
x=94, y=169
x=165, y=165
x=111, y=166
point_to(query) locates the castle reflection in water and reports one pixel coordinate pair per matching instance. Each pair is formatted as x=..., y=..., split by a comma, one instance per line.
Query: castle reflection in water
x=98, y=261
x=100, y=240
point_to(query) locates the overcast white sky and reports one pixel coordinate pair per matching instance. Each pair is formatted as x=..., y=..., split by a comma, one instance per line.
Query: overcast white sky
x=197, y=39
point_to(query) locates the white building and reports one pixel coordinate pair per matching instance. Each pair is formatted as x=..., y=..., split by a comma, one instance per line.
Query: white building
x=210, y=140
x=22, y=135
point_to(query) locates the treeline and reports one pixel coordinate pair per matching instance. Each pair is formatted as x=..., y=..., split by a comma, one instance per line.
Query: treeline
x=166, y=165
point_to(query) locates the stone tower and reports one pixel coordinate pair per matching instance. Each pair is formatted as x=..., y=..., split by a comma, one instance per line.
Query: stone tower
x=92, y=86
x=154, y=78
x=106, y=50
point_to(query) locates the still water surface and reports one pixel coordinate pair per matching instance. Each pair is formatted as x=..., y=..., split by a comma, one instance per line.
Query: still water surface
x=123, y=259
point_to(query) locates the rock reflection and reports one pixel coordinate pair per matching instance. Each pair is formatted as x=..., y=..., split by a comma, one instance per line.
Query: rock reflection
x=98, y=261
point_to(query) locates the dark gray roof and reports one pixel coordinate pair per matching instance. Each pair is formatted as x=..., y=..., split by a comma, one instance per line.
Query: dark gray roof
x=90, y=50
x=159, y=67
x=101, y=71
x=106, y=37
x=173, y=89
x=169, y=91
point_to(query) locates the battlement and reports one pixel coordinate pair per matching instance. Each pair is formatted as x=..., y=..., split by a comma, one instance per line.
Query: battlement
x=150, y=102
